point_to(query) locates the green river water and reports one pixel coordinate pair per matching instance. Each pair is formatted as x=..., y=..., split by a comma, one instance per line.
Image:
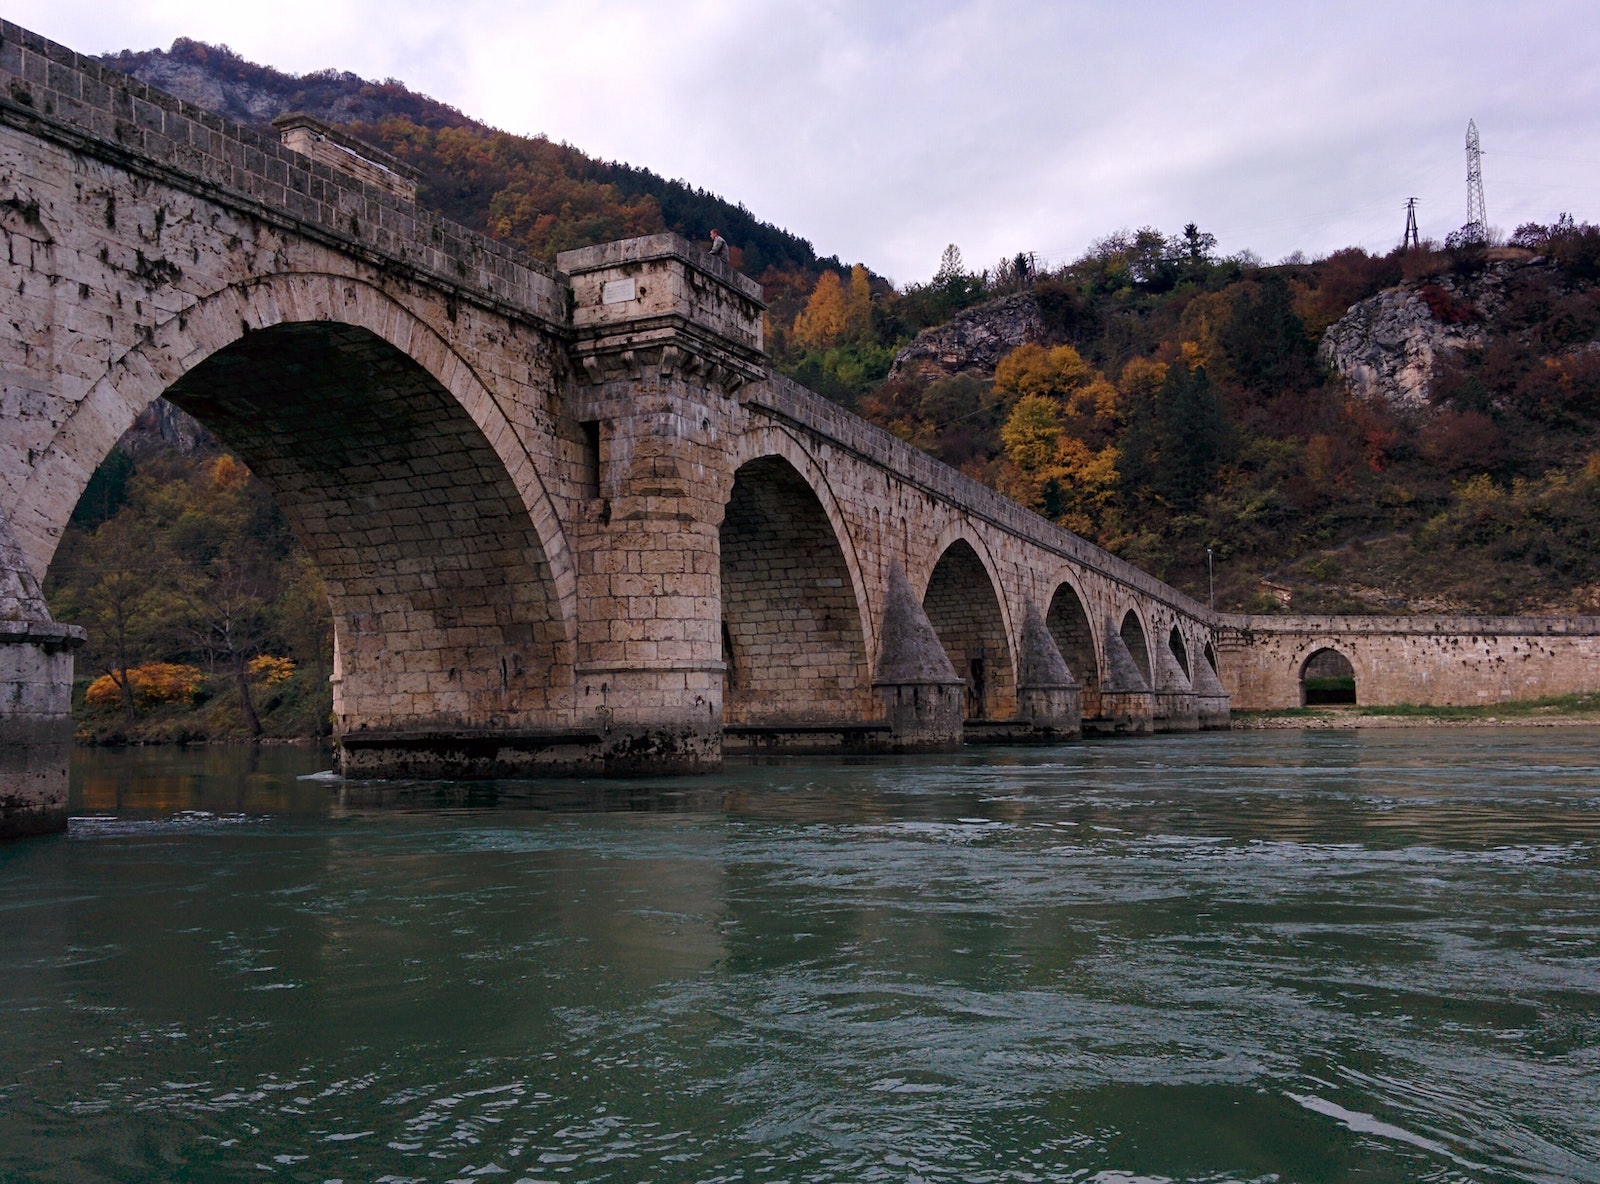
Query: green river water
x=1265, y=956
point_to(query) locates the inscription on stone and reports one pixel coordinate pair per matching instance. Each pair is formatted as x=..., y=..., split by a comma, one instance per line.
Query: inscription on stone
x=618, y=291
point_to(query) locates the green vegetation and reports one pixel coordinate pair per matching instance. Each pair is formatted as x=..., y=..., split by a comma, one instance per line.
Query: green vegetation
x=1182, y=408
x=206, y=619
x=1579, y=706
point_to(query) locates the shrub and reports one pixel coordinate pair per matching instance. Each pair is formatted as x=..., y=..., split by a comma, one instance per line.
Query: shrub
x=154, y=682
x=270, y=671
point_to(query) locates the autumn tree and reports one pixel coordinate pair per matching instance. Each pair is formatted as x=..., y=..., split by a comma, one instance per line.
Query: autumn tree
x=111, y=591
x=826, y=314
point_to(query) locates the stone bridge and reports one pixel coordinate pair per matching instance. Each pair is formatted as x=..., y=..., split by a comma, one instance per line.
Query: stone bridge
x=568, y=519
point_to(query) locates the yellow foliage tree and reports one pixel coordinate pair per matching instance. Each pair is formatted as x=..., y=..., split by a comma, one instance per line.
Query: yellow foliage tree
x=1141, y=379
x=270, y=670
x=1055, y=472
x=1034, y=370
x=858, y=304
x=154, y=682
x=1032, y=433
x=1097, y=400
x=825, y=317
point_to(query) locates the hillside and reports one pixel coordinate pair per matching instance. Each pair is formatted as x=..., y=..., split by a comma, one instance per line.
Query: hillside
x=543, y=196
x=1413, y=432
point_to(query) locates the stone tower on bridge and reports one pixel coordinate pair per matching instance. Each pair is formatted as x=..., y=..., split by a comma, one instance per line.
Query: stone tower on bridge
x=569, y=519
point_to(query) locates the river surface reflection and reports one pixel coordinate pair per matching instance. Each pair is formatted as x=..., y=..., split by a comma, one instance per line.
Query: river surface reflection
x=1284, y=956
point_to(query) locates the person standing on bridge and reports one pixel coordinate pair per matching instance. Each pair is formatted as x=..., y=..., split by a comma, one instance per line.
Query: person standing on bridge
x=719, y=246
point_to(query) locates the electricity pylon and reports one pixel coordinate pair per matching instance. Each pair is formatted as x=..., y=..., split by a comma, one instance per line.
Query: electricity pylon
x=1477, y=217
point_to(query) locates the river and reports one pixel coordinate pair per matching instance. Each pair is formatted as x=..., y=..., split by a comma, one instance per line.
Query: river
x=1266, y=956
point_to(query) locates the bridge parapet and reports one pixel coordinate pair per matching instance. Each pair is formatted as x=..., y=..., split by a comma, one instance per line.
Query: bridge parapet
x=90, y=108
x=789, y=400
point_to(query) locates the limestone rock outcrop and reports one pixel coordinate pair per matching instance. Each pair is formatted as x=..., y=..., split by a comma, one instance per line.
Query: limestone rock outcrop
x=1385, y=347
x=973, y=341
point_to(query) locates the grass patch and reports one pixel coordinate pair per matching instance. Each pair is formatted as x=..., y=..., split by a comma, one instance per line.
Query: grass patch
x=1583, y=704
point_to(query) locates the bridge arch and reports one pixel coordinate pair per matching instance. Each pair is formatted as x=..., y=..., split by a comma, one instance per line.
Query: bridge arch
x=452, y=590
x=965, y=602
x=1327, y=676
x=1135, y=637
x=1071, y=625
x=1180, y=652
x=796, y=636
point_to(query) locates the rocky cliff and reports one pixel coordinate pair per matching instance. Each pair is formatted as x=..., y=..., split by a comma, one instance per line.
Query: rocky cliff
x=973, y=341
x=1386, y=347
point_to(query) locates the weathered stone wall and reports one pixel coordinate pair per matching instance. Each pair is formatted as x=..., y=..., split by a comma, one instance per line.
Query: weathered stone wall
x=1437, y=661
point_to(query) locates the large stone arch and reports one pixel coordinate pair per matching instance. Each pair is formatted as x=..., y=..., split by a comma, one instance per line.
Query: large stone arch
x=452, y=589
x=1072, y=627
x=964, y=600
x=793, y=626
x=770, y=440
x=135, y=379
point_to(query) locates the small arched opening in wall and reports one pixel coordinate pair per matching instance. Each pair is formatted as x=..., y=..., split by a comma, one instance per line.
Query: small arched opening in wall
x=1327, y=677
x=791, y=626
x=1132, y=634
x=445, y=610
x=964, y=608
x=1210, y=653
x=1069, y=627
x=1179, y=653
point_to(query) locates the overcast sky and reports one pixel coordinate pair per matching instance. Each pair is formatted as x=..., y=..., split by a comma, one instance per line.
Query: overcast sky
x=882, y=131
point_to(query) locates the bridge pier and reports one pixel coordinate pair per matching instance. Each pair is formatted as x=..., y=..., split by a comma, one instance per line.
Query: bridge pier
x=1174, y=706
x=1212, y=707
x=1127, y=705
x=664, y=337
x=1048, y=697
x=35, y=702
x=920, y=693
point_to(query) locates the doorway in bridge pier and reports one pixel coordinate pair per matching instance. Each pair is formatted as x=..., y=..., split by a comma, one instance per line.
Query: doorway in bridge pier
x=1069, y=626
x=791, y=627
x=337, y=487
x=1132, y=633
x=1327, y=678
x=965, y=611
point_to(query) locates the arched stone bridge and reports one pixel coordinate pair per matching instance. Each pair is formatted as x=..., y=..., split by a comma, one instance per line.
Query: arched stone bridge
x=567, y=519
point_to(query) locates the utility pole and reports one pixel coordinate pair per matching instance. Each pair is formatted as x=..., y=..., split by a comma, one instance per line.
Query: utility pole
x=1477, y=216
x=1411, y=239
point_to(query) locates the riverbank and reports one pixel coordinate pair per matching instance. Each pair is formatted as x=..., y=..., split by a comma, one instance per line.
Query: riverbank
x=1562, y=711
x=296, y=707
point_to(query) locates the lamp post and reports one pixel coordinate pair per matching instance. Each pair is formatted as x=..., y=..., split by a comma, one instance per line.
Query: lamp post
x=1211, y=579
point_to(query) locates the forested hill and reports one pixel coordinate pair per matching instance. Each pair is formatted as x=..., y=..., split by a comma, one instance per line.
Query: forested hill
x=540, y=195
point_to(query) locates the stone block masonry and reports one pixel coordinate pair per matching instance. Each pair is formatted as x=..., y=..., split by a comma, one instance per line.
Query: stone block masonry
x=1427, y=661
